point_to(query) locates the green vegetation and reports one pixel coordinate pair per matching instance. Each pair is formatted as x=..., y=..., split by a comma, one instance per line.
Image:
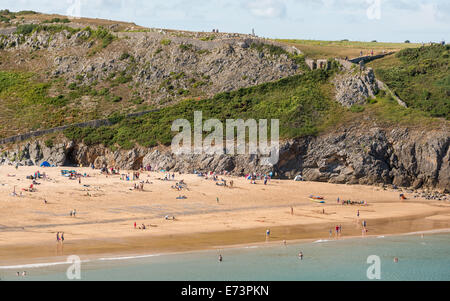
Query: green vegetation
x=166, y=42
x=344, y=48
x=57, y=20
x=186, y=47
x=300, y=103
x=208, y=38
x=420, y=77
x=6, y=16
x=274, y=50
x=49, y=143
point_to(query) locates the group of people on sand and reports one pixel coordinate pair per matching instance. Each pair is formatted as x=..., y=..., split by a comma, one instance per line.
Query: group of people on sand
x=254, y=177
x=139, y=187
x=60, y=237
x=180, y=185
x=349, y=202
x=338, y=231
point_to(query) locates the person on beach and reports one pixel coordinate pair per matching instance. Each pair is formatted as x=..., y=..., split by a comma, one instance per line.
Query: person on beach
x=62, y=237
x=74, y=212
x=331, y=233
x=292, y=210
x=57, y=237
x=134, y=225
x=267, y=232
x=357, y=213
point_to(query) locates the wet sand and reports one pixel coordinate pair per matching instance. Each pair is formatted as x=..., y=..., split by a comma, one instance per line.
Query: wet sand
x=105, y=218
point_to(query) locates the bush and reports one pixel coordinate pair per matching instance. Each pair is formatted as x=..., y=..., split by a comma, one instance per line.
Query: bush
x=357, y=109
x=26, y=29
x=49, y=143
x=166, y=42
x=117, y=99
x=124, y=56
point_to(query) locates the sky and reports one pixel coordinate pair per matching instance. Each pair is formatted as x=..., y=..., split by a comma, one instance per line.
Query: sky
x=356, y=20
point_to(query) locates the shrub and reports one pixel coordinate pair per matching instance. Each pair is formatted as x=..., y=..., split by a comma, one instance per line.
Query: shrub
x=49, y=143
x=166, y=42
x=124, y=56
x=357, y=109
x=26, y=29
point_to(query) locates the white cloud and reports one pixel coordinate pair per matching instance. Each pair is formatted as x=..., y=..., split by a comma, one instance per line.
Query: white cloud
x=267, y=8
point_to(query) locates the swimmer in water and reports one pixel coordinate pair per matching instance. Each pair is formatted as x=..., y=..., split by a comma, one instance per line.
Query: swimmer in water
x=396, y=259
x=300, y=255
x=220, y=258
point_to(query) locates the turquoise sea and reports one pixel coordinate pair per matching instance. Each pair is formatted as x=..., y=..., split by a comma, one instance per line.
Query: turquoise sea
x=426, y=258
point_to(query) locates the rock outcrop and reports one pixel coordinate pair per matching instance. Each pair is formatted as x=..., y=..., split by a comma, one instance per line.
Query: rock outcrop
x=401, y=157
x=354, y=86
x=159, y=65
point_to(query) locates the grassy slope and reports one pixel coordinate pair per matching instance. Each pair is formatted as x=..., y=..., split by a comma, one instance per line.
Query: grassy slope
x=331, y=49
x=420, y=77
x=304, y=105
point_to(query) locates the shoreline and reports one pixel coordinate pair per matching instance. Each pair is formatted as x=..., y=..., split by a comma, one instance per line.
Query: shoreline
x=39, y=262
x=131, y=256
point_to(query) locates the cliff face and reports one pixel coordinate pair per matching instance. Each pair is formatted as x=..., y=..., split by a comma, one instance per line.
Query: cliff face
x=159, y=64
x=401, y=157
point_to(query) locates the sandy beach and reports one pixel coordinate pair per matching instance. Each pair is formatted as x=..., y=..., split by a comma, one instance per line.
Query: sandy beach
x=210, y=217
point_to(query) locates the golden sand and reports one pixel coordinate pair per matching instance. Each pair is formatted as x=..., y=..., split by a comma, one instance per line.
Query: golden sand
x=107, y=208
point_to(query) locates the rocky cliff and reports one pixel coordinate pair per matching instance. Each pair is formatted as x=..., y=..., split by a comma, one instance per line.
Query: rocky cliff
x=158, y=64
x=402, y=157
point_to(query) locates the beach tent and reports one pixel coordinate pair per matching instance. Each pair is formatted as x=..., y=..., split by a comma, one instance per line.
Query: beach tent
x=298, y=178
x=45, y=164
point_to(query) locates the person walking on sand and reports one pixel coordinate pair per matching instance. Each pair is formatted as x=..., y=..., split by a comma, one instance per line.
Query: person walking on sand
x=57, y=237
x=62, y=237
x=74, y=212
x=292, y=210
x=267, y=233
x=134, y=225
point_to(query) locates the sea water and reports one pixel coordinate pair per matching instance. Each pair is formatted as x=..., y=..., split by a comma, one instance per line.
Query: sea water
x=426, y=258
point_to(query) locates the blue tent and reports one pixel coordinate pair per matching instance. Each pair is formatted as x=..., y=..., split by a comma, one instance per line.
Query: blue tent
x=45, y=164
